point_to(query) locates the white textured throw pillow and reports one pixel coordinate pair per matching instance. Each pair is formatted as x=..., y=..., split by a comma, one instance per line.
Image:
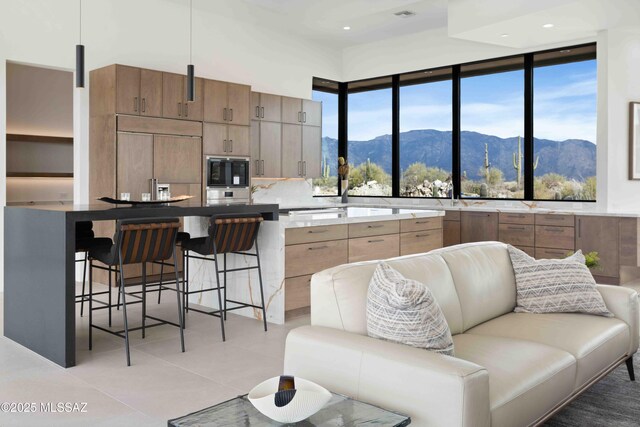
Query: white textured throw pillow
x=405, y=311
x=555, y=285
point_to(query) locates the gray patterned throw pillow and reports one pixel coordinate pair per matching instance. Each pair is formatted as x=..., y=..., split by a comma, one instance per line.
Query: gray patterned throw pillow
x=404, y=311
x=555, y=285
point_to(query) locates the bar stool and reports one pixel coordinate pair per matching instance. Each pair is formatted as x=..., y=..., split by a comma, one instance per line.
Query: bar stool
x=228, y=234
x=138, y=241
x=85, y=240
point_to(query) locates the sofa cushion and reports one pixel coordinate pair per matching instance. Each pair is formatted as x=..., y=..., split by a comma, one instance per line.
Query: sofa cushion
x=484, y=280
x=596, y=342
x=404, y=311
x=526, y=379
x=339, y=294
x=555, y=285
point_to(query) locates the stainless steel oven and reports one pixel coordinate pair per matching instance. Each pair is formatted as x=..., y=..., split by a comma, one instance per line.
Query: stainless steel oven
x=227, y=178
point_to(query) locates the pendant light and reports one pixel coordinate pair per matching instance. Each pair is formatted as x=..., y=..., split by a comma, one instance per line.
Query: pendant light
x=191, y=78
x=80, y=56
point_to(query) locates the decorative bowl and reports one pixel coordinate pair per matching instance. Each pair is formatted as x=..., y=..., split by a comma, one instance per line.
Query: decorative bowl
x=288, y=406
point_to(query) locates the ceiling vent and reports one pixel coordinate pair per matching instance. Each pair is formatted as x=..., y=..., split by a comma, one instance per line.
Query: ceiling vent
x=405, y=14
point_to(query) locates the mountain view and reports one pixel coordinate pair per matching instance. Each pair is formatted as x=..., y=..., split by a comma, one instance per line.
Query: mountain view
x=574, y=157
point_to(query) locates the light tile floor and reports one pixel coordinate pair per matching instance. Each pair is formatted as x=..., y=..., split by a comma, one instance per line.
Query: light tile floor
x=162, y=382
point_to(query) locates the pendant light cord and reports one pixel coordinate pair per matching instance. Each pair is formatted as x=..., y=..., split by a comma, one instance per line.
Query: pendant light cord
x=190, y=31
x=80, y=29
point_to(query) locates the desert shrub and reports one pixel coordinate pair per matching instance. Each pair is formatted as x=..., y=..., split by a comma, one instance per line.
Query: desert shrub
x=366, y=172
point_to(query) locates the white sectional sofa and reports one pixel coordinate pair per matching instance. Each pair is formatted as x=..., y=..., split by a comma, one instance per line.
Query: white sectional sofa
x=509, y=369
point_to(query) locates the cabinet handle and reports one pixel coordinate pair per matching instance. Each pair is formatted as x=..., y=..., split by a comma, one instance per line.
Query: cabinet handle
x=186, y=109
x=423, y=235
x=179, y=109
x=299, y=114
x=304, y=168
x=262, y=161
x=421, y=222
x=231, y=114
x=513, y=227
x=144, y=105
x=257, y=111
x=375, y=241
x=224, y=114
x=224, y=145
x=318, y=247
x=135, y=104
x=317, y=231
x=299, y=168
x=375, y=226
x=304, y=117
x=554, y=230
x=257, y=167
x=231, y=145
x=262, y=112
x=579, y=228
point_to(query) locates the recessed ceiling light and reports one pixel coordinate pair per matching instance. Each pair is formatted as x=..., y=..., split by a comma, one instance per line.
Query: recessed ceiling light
x=504, y=35
x=565, y=51
x=547, y=26
x=347, y=28
x=428, y=72
x=405, y=14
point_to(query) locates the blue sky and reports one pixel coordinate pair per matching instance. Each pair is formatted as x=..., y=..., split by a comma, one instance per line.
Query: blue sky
x=564, y=105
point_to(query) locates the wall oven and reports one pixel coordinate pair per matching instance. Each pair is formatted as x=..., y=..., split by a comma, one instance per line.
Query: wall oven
x=227, y=178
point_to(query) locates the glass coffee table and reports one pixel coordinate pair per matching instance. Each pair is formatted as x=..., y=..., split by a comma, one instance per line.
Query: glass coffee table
x=341, y=411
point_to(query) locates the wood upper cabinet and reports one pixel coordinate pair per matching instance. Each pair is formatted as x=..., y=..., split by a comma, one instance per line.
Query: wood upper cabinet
x=291, y=110
x=311, y=112
x=600, y=234
x=135, y=164
x=214, y=139
x=238, y=104
x=311, y=151
x=177, y=159
x=478, y=226
x=215, y=101
x=255, y=105
x=226, y=102
x=265, y=106
x=150, y=93
x=193, y=110
x=127, y=90
x=173, y=86
x=291, y=151
x=270, y=149
x=238, y=137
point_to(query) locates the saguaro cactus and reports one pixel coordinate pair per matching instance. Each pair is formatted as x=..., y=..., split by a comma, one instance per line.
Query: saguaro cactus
x=487, y=165
x=517, y=164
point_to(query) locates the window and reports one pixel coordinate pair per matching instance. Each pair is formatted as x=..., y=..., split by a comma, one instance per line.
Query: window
x=426, y=134
x=327, y=184
x=369, y=146
x=492, y=129
x=565, y=125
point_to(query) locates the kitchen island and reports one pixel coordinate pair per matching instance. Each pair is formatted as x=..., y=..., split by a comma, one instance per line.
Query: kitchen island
x=39, y=256
x=304, y=242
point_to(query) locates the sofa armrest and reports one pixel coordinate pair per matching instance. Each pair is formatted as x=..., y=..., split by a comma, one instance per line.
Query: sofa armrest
x=432, y=389
x=623, y=303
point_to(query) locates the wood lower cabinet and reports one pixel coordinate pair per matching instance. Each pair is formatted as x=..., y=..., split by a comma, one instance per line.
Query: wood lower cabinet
x=548, y=253
x=478, y=226
x=416, y=242
x=374, y=247
x=600, y=234
x=298, y=293
x=374, y=228
x=553, y=237
x=517, y=234
x=451, y=228
x=318, y=233
x=309, y=258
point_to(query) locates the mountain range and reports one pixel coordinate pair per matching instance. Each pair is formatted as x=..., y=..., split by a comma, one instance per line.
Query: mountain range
x=573, y=158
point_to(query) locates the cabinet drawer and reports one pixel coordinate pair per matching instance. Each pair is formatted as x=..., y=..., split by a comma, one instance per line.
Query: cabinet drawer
x=451, y=230
x=376, y=228
x=420, y=241
x=516, y=234
x=529, y=250
x=297, y=292
x=516, y=218
x=547, y=253
x=294, y=236
x=554, y=219
x=376, y=247
x=452, y=215
x=419, y=224
x=555, y=237
x=310, y=258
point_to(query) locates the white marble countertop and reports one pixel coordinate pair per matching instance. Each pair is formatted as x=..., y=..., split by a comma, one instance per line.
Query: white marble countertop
x=351, y=214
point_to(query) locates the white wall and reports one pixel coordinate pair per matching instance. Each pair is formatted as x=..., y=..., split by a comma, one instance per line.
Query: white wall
x=153, y=34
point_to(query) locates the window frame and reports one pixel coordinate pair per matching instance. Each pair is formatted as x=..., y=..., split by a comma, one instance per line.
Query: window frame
x=585, y=51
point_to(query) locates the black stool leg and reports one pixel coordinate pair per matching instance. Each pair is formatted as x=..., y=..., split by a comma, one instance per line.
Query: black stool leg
x=264, y=309
x=90, y=304
x=84, y=279
x=144, y=297
x=110, y=284
x=632, y=375
x=124, y=313
x=118, y=274
x=180, y=313
x=224, y=260
x=220, y=306
x=160, y=285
